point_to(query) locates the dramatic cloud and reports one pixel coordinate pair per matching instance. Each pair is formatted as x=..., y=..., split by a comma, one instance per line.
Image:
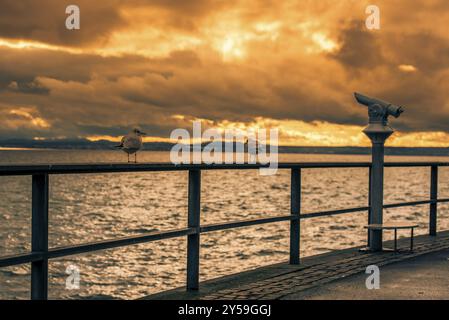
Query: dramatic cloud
x=44, y=21
x=161, y=64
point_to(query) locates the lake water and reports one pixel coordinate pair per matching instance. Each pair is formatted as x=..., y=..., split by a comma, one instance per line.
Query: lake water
x=92, y=207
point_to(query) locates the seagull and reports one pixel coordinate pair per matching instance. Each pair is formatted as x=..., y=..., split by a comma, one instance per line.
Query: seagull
x=131, y=143
x=253, y=149
x=256, y=146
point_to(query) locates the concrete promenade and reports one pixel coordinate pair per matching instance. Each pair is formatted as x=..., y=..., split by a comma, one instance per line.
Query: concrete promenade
x=421, y=274
x=423, y=277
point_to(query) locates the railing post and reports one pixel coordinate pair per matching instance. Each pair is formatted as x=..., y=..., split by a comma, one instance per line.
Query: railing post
x=39, y=236
x=295, y=207
x=377, y=188
x=433, y=197
x=193, y=240
x=369, y=204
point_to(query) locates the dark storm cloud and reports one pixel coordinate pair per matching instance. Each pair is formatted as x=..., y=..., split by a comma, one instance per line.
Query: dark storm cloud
x=425, y=101
x=44, y=21
x=427, y=51
x=182, y=15
x=231, y=97
x=95, y=130
x=360, y=47
x=21, y=65
x=372, y=60
x=32, y=86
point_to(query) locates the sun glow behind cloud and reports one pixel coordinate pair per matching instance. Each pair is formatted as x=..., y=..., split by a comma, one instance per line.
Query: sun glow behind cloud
x=227, y=33
x=26, y=44
x=299, y=133
x=319, y=133
x=324, y=43
x=26, y=116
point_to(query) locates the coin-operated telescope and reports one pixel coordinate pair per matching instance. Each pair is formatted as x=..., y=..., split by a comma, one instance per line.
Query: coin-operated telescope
x=378, y=112
x=378, y=131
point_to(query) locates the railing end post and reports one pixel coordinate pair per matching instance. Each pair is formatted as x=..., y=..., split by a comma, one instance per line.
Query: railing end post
x=193, y=221
x=295, y=223
x=39, y=236
x=433, y=197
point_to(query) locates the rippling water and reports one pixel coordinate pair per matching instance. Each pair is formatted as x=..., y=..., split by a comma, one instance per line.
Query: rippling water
x=92, y=207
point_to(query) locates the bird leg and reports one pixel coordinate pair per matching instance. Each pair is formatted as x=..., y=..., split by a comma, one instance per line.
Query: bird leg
x=135, y=157
x=128, y=157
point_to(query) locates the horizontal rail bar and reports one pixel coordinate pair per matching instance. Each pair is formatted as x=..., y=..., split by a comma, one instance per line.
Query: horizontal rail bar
x=332, y=212
x=408, y=204
x=350, y=210
x=321, y=165
x=114, y=167
x=139, y=167
x=414, y=203
x=94, y=246
x=12, y=260
x=244, y=223
x=125, y=241
x=10, y=170
x=416, y=164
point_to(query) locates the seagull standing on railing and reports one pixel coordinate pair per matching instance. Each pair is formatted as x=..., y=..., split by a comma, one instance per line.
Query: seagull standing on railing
x=253, y=149
x=131, y=143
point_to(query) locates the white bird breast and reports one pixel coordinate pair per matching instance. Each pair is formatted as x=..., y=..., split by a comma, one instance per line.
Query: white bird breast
x=132, y=143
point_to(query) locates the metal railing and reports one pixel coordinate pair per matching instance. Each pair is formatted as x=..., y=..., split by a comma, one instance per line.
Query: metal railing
x=41, y=253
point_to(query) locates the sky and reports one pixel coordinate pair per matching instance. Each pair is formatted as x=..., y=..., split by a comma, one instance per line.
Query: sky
x=159, y=65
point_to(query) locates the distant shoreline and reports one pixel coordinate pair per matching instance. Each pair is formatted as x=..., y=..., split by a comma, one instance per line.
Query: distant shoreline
x=25, y=145
x=22, y=149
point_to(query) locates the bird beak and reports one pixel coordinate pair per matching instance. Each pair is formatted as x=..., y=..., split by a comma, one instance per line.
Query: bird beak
x=142, y=133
